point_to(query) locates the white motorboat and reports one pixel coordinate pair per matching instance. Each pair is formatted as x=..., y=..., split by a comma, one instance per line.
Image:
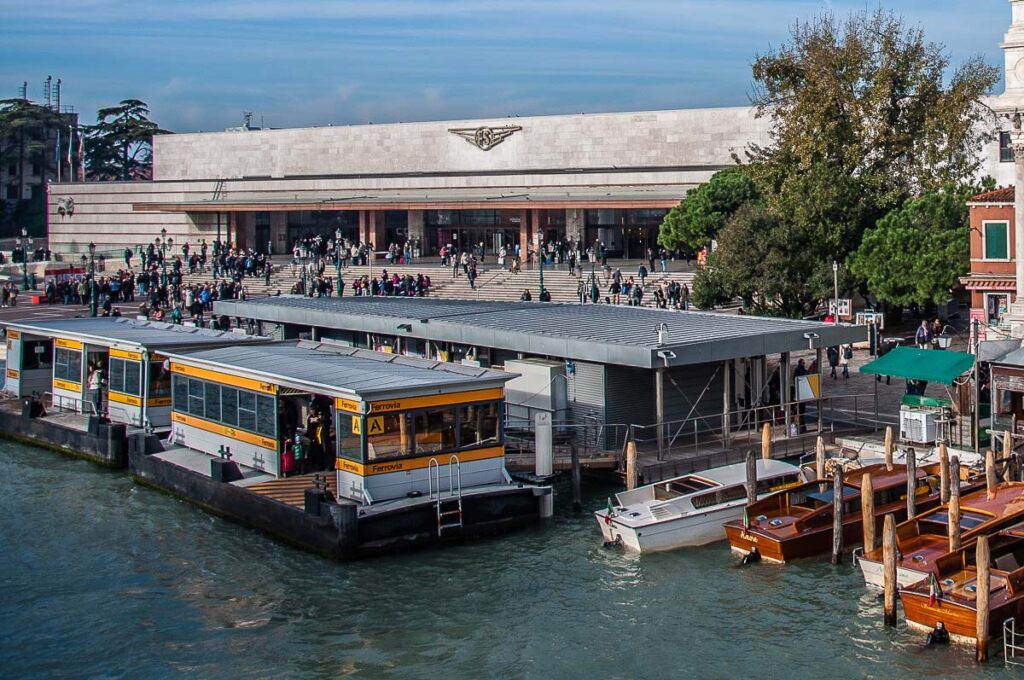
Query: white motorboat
x=688, y=510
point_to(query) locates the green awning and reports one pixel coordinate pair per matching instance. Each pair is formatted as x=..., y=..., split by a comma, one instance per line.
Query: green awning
x=931, y=365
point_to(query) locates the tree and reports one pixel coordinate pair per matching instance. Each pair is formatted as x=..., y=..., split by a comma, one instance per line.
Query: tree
x=864, y=117
x=120, y=145
x=698, y=218
x=917, y=254
x=25, y=142
x=710, y=288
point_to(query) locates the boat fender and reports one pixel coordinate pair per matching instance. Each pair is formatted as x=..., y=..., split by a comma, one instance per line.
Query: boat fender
x=938, y=636
x=751, y=557
x=617, y=543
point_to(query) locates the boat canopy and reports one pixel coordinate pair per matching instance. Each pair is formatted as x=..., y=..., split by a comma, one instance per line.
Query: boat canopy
x=929, y=365
x=826, y=495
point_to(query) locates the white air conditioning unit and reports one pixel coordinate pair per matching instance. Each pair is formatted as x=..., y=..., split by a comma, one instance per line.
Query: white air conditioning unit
x=918, y=426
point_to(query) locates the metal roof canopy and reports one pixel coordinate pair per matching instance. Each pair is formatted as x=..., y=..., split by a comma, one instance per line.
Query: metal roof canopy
x=332, y=369
x=122, y=331
x=606, y=334
x=930, y=365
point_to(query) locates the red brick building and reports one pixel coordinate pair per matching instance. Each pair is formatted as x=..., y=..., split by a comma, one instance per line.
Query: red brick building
x=991, y=281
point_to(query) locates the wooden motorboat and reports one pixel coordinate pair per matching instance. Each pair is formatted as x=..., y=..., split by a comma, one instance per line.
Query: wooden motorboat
x=949, y=592
x=688, y=510
x=798, y=522
x=924, y=538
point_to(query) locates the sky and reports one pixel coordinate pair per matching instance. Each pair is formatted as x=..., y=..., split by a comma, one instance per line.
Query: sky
x=200, y=63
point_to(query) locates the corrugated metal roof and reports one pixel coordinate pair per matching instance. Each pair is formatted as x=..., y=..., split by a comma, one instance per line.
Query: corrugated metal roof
x=345, y=369
x=602, y=333
x=152, y=334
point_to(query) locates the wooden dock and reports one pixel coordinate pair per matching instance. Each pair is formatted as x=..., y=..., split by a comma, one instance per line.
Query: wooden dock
x=292, y=490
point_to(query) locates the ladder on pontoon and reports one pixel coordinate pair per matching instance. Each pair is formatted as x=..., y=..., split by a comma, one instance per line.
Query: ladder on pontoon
x=449, y=505
x=1013, y=643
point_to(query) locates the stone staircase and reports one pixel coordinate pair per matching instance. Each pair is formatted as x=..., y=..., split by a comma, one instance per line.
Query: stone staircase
x=492, y=283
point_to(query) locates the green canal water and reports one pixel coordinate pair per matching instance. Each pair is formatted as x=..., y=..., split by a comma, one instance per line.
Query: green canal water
x=102, y=577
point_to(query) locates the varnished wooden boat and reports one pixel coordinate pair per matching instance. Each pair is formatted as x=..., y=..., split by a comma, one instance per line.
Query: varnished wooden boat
x=924, y=538
x=954, y=602
x=798, y=522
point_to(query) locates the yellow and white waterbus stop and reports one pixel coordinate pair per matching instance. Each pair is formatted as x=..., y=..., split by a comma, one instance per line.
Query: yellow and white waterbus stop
x=402, y=427
x=55, y=358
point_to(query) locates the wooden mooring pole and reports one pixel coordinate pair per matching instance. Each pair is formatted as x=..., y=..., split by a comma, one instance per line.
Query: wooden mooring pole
x=1007, y=452
x=819, y=458
x=982, y=599
x=990, y=473
x=911, y=483
x=954, y=504
x=943, y=473
x=867, y=508
x=766, y=442
x=751, y=477
x=888, y=448
x=631, y=471
x=889, y=569
x=837, y=515
x=574, y=453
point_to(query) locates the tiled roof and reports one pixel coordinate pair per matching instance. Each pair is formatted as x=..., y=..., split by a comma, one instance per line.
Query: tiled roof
x=1000, y=195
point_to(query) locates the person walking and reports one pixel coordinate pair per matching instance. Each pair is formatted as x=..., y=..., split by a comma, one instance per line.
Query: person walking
x=923, y=336
x=833, y=359
x=845, y=354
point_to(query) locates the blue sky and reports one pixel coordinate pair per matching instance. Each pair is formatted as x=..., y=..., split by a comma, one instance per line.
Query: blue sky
x=200, y=63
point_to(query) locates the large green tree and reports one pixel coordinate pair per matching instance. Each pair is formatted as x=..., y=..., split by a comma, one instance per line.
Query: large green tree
x=917, y=253
x=699, y=217
x=25, y=142
x=865, y=114
x=120, y=145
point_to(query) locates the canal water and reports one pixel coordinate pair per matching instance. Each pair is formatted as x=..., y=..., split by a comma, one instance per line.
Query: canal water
x=102, y=577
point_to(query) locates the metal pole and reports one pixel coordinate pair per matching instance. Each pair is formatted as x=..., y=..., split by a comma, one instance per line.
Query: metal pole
x=92, y=286
x=659, y=409
x=541, y=271
x=976, y=425
x=835, y=285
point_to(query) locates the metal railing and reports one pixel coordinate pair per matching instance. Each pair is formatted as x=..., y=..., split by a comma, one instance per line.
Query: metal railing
x=1013, y=643
x=78, y=404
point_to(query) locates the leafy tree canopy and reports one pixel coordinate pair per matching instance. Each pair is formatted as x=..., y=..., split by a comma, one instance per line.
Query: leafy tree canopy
x=917, y=253
x=865, y=116
x=699, y=217
x=120, y=145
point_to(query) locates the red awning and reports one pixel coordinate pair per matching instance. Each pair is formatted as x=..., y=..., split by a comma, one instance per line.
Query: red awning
x=989, y=284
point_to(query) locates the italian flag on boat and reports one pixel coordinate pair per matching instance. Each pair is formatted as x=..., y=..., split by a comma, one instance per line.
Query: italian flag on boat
x=608, y=512
x=933, y=590
x=746, y=518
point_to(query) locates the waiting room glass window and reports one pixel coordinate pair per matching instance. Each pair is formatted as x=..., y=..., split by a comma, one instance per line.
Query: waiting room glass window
x=479, y=425
x=394, y=440
x=435, y=430
x=125, y=377
x=997, y=240
x=1005, y=148
x=67, y=365
x=35, y=354
x=226, y=405
x=348, y=426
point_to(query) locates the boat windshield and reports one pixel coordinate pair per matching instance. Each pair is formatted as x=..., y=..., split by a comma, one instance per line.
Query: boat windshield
x=685, y=485
x=937, y=521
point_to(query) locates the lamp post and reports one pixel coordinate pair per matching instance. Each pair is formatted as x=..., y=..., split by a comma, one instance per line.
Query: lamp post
x=835, y=285
x=165, y=243
x=27, y=241
x=541, y=275
x=92, y=279
x=337, y=259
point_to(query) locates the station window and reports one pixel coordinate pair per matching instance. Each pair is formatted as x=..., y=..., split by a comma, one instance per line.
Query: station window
x=435, y=430
x=67, y=364
x=230, y=406
x=348, y=426
x=478, y=425
x=395, y=438
x=125, y=376
x=159, y=380
x=36, y=354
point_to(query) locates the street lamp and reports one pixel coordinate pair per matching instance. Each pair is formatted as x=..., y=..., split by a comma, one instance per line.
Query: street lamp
x=27, y=240
x=92, y=278
x=835, y=285
x=337, y=258
x=165, y=244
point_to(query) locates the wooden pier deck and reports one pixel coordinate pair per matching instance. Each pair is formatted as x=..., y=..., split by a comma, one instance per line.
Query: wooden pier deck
x=291, y=490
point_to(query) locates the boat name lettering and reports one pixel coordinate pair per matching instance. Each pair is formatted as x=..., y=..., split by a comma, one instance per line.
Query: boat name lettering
x=748, y=537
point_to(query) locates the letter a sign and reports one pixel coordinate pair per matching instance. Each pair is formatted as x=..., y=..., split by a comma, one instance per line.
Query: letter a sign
x=375, y=425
